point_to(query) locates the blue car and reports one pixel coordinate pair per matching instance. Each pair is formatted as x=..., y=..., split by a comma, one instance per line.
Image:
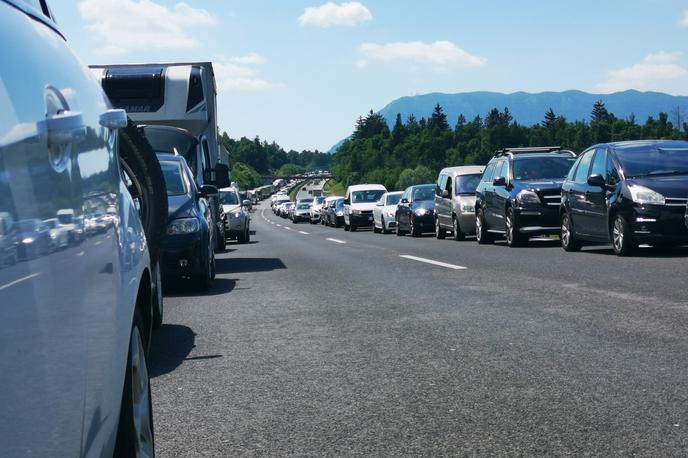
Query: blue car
x=188, y=245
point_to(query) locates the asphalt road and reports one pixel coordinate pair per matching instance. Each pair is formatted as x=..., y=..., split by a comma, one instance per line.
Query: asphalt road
x=319, y=342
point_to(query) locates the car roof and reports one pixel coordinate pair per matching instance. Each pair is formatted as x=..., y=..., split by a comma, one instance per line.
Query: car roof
x=656, y=143
x=366, y=187
x=394, y=193
x=462, y=170
x=229, y=189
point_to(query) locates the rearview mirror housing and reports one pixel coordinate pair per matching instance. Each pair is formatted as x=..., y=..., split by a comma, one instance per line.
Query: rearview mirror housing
x=404, y=201
x=499, y=181
x=347, y=202
x=596, y=180
x=219, y=176
x=445, y=193
x=246, y=203
x=379, y=204
x=208, y=190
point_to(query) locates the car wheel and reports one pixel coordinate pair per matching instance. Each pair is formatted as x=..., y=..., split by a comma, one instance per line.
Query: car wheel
x=241, y=238
x=513, y=236
x=415, y=232
x=204, y=281
x=384, y=226
x=352, y=228
x=375, y=228
x=440, y=232
x=346, y=226
x=248, y=234
x=397, y=230
x=458, y=233
x=146, y=184
x=568, y=240
x=158, y=309
x=135, y=434
x=221, y=241
x=481, y=233
x=622, y=239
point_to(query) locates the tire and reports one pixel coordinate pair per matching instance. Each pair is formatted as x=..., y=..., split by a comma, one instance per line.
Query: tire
x=204, y=281
x=135, y=432
x=440, y=232
x=459, y=235
x=397, y=230
x=622, y=238
x=511, y=231
x=158, y=305
x=221, y=241
x=483, y=237
x=376, y=230
x=568, y=240
x=413, y=228
x=384, y=227
x=346, y=227
x=248, y=234
x=147, y=185
x=241, y=238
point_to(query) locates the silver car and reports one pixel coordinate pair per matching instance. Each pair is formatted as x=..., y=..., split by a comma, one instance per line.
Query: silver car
x=385, y=211
x=237, y=216
x=455, y=201
x=75, y=324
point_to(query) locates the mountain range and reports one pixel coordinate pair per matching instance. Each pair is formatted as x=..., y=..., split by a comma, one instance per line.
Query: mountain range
x=530, y=108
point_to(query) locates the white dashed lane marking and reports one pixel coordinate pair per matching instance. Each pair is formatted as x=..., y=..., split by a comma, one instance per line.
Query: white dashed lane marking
x=433, y=262
x=336, y=241
x=19, y=280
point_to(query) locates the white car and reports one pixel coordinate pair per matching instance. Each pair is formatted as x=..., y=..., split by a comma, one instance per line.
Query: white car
x=384, y=211
x=359, y=203
x=59, y=235
x=316, y=209
x=237, y=217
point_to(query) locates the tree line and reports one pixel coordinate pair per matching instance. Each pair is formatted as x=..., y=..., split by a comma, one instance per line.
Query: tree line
x=251, y=160
x=413, y=151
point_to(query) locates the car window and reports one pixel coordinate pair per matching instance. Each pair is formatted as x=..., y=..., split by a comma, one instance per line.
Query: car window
x=229, y=198
x=174, y=180
x=441, y=183
x=643, y=160
x=599, y=163
x=424, y=193
x=37, y=5
x=368, y=196
x=500, y=169
x=611, y=175
x=466, y=184
x=542, y=168
x=583, y=167
x=487, y=175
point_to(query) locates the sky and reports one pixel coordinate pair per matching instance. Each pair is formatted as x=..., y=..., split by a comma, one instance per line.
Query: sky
x=301, y=72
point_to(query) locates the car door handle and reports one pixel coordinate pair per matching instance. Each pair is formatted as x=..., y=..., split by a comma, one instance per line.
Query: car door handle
x=65, y=128
x=114, y=119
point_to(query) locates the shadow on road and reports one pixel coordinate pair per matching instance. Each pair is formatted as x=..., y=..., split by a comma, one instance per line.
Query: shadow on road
x=643, y=252
x=186, y=287
x=235, y=265
x=171, y=344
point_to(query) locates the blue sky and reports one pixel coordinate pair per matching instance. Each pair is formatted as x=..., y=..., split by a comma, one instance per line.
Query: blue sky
x=301, y=72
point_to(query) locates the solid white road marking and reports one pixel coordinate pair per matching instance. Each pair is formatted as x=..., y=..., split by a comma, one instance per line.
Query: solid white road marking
x=434, y=263
x=336, y=241
x=19, y=280
x=304, y=233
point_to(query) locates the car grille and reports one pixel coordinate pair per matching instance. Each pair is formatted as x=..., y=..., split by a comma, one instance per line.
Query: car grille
x=551, y=198
x=366, y=212
x=675, y=202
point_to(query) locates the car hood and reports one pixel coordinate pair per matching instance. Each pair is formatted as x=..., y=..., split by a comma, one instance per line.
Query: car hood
x=668, y=186
x=389, y=208
x=540, y=185
x=231, y=208
x=427, y=204
x=180, y=207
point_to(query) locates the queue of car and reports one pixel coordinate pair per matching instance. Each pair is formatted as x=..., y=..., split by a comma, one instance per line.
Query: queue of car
x=624, y=194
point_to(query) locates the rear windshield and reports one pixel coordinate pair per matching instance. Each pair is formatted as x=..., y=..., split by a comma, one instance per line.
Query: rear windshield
x=649, y=160
x=370, y=196
x=174, y=179
x=229, y=198
x=542, y=168
x=466, y=184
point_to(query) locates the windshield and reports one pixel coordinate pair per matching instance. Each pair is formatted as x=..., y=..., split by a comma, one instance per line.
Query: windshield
x=339, y=203
x=174, y=180
x=393, y=199
x=650, y=160
x=424, y=193
x=466, y=184
x=28, y=225
x=65, y=219
x=319, y=200
x=369, y=196
x=542, y=168
x=304, y=206
x=229, y=198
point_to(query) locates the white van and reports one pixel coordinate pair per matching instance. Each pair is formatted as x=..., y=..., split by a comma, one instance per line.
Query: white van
x=359, y=203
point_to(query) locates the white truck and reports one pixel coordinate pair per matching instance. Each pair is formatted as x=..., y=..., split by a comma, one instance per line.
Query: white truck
x=180, y=95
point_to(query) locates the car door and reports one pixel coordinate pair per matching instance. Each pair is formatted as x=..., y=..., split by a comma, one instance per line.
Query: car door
x=597, y=197
x=61, y=317
x=441, y=202
x=485, y=188
x=495, y=206
x=403, y=209
x=501, y=194
x=578, y=200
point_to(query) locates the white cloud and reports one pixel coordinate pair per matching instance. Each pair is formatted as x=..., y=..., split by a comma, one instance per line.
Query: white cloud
x=439, y=54
x=684, y=20
x=240, y=74
x=331, y=14
x=124, y=25
x=654, y=68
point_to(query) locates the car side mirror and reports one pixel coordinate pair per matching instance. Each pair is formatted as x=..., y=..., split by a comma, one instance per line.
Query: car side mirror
x=404, y=201
x=219, y=176
x=379, y=204
x=445, y=193
x=246, y=203
x=208, y=190
x=596, y=180
x=499, y=181
x=347, y=201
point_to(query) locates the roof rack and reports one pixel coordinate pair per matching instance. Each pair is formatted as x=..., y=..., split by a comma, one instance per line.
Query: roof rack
x=533, y=149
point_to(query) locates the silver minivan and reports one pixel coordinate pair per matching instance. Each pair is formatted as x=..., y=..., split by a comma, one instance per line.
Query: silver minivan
x=455, y=201
x=75, y=324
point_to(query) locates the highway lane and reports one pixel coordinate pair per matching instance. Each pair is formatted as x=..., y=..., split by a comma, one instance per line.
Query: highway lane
x=319, y=342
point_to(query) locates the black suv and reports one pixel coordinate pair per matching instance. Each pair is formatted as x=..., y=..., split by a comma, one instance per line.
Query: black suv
x=627, y=193
x=520, y=192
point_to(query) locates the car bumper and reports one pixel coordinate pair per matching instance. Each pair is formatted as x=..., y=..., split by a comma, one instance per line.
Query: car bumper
x=662, y=224
x=467, y=222
x=361, y=220
x=538, y=220
x=425, y=223
x=182, y=255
